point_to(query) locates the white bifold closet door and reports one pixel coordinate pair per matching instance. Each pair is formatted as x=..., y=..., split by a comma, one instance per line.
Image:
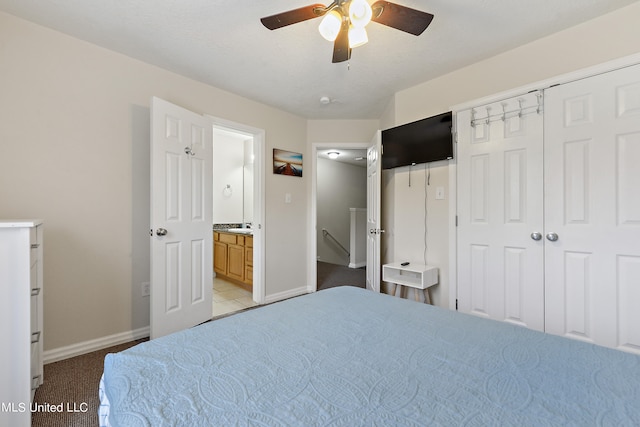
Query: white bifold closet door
x=563, y=257
x=500, y=194
x=592, y=203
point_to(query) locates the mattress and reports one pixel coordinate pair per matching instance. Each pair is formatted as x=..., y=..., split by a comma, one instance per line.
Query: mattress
x=348, y=357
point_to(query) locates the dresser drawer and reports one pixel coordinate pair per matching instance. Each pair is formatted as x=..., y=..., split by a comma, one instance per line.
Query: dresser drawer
x=35, y=302
x=34, y=255
x=33, y=235
x=33, y=276
x=35, y=240
x=35, y=359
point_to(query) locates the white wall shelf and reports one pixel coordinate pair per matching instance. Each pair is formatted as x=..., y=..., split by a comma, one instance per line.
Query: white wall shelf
x=416, y=276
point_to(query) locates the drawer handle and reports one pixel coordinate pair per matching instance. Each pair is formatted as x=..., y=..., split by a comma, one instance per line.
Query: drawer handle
x=35, y=337
x=35, y=291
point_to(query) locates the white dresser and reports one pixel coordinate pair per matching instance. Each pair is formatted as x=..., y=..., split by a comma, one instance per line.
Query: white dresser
x=21, y=370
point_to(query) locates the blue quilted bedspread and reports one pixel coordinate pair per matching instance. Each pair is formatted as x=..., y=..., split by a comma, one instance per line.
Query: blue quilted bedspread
x=350, y=357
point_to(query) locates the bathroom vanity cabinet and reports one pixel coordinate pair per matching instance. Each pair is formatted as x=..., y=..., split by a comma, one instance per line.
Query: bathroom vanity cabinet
x=233, y=257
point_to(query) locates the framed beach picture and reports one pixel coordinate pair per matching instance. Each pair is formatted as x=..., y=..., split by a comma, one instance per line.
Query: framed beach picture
x=287, y=162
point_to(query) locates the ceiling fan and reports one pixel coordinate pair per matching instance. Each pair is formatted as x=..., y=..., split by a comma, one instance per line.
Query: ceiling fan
x=344, y=21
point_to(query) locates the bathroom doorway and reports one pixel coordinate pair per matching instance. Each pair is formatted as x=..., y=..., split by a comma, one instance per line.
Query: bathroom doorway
x=238, y=209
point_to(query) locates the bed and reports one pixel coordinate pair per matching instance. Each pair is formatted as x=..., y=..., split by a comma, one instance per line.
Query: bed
x=348, y=357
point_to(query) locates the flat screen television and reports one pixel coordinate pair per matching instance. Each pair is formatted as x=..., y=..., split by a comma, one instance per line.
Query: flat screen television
x=422, y=141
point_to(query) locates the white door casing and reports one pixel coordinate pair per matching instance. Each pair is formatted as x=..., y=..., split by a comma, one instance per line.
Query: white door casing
x=500, y=193
x=181, y=207
x=374, y=166
x=592, y=158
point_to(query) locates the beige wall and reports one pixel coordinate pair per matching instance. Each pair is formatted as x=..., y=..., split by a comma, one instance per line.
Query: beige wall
x=74, y=131
x=74, y=150
x=341, y=131
x=608, y=37
x=602, y=39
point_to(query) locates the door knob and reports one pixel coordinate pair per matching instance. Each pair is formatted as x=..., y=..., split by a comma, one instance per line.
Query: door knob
x=161, y=232
x=536, y=236
x=552, y=237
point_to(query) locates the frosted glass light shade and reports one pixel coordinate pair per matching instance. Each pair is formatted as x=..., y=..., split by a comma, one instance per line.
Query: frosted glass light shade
x=330, y=25
x=360, y=13
x=357, y=37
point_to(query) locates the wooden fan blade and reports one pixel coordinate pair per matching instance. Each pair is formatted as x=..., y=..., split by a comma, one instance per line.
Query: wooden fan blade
x=401, y=18
x=341, y=49
x=294, y=16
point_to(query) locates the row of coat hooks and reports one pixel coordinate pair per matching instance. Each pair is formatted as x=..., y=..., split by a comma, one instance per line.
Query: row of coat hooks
x=504, y=115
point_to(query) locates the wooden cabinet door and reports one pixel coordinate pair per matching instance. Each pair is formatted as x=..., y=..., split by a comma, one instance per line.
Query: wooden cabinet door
x=220, y=258
x=235, y=262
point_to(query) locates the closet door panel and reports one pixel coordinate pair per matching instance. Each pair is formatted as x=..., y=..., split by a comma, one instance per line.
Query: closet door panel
x=628, y=201
x=499, y=156
x=592, y=152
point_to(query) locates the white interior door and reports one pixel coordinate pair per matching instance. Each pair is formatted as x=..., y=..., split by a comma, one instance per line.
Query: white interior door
x=373, y=212
x=181, y=221
x=592, y=158
x=500, y=185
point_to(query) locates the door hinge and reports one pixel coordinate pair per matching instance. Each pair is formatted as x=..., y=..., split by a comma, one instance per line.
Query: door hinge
x=456, y=304
x=456, y=220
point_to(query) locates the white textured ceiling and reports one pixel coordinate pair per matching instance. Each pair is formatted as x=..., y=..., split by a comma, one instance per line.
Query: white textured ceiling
x=223, y=43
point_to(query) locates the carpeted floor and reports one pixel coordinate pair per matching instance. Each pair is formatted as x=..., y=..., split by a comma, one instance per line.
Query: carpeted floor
x=74, y=384
x=332, y=275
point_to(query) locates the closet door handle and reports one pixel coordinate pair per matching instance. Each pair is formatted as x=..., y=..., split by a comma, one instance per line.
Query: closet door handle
x=536, y=236
x=161, y=232
x=552, y=237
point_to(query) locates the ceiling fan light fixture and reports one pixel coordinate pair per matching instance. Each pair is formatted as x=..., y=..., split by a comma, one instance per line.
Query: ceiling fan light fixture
x=330, y=25
x=360, y=13
x=357, y=37
x=343, y=21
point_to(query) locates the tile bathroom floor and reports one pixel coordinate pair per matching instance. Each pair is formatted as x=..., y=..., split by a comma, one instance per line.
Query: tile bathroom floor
x=228, y=297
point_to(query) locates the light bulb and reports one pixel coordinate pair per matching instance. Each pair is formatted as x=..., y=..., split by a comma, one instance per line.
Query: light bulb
x=360, y=13
x=357, y=37
x=330, y=25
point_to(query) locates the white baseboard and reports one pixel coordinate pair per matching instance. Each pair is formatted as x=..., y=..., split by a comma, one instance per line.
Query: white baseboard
x=85, y=347
x=287, y=294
